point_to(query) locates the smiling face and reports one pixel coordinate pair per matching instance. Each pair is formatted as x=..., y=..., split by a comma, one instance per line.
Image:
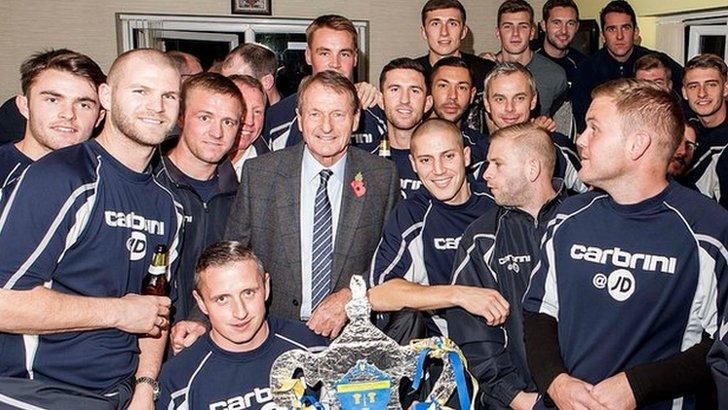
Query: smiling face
x=705, y=91
x=209, y=125
x=254, y=118
x=561, y=27
x=334, y=50
x=444, y=29
x=62, y=110
x=452, y=93
x=144, y=99
x=233, y=297
x=514, y=32
x=405, y=98
x=509, y=100
x=440, y=161
x=326, y=118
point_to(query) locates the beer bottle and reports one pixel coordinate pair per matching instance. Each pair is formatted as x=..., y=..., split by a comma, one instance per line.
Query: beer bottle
x=155, y=283
x=384, y=147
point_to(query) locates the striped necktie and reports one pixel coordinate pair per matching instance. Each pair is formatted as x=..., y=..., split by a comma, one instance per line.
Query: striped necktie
x=323, y=249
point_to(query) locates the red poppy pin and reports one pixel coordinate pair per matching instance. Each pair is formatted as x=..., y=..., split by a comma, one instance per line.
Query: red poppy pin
x=357, y=185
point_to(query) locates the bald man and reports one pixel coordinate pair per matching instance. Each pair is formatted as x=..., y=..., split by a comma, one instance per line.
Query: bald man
x=498, y=252
x=72, y=266
x=412, y=264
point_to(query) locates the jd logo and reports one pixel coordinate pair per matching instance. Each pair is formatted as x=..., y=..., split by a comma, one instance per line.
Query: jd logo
x=621, y=284
x=137, y=245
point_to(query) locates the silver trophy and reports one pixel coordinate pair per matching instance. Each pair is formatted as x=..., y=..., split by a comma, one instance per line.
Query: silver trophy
x=363, y=367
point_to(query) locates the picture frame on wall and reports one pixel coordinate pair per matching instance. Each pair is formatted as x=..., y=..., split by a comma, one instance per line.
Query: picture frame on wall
x=259, y=7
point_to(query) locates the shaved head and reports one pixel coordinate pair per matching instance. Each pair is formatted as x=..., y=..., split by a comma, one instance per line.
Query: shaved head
x=132, y=57
x=435, y=127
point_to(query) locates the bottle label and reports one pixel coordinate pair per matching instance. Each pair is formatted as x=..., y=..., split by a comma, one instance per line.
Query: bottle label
x=157, y=270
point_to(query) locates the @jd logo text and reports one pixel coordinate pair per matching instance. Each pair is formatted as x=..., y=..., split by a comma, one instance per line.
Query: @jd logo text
x=620, y=284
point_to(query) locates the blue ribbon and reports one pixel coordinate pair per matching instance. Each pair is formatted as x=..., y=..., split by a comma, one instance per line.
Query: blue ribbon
x=460, y=380
x=309, y=400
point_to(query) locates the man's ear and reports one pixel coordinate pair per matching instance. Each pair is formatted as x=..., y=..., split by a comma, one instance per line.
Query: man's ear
x=466, y=153
x=465, y=32
x=543, y=25
x=412, y=161
x=102, y=115
x=21, y=102
x=200, y=302
x=105, y=96
x=533, y=169
x=298, y=119
x=266, y=279
x=638, y=142
x=428, y=103
x=355, y=124
x=268, y=82
x=473, y=90
x=307, y=54
x=534, y=101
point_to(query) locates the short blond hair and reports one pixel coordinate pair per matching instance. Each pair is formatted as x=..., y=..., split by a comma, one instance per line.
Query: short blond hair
x=529, y=137
x=643, y=105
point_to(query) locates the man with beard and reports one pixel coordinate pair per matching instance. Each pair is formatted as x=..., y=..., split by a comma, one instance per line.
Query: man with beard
x=196, y=173
x=405, y=99
x=560, y=24
x=623, y=305
x=615, y=60
x=498, y=252
x=412, y=264
x=705, y=87
x=683, y=156
x=510, y=96
x=61, y=104
x=249, y=145
x=73, y=266
x=452, y=93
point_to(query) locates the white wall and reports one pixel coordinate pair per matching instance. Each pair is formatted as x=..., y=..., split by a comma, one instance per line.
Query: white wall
x=89, y=26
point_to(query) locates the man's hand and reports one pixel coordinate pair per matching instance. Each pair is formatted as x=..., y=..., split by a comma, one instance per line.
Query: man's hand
x=184, y=333
x=615, y=393
x=369, y=95
x=143, y=398
x=487, y=303
x=524, y=401
x=571, y=393
x=488, y=56
x=141, y=314
x=545, y=122
x=330, y=315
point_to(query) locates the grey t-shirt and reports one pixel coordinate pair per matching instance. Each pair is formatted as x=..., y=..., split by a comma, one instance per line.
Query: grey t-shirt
x=550, y=81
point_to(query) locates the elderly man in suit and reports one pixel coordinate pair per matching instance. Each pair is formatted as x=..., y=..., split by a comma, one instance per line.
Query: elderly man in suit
x=314, y=212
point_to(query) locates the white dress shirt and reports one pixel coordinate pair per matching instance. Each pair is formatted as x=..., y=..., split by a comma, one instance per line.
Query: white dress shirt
x=310, y=169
